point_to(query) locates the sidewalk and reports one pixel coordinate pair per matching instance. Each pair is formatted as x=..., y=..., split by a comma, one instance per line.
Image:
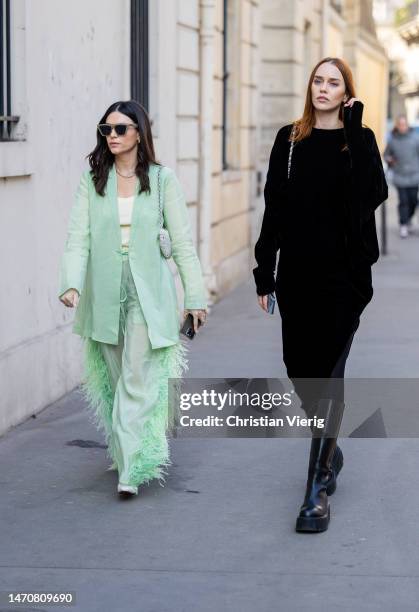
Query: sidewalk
x=220, y=535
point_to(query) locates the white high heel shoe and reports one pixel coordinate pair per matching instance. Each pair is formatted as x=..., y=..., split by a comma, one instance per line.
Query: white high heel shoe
x=127, y=489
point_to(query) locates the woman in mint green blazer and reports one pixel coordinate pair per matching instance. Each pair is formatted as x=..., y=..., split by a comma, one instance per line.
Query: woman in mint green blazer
x=114, y=272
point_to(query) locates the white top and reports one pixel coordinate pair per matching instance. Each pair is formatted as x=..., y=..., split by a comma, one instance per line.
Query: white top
x=125, y=214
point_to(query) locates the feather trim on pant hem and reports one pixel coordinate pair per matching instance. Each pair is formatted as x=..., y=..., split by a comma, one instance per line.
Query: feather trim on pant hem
x=152, y=458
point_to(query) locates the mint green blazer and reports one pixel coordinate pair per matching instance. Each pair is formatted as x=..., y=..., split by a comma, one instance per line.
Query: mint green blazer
x=92, y=261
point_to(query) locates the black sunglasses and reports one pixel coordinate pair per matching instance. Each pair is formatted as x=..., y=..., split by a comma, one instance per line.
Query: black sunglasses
x=120, y=128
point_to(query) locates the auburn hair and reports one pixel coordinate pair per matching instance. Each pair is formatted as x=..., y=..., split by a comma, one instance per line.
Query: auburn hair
x=304, y=124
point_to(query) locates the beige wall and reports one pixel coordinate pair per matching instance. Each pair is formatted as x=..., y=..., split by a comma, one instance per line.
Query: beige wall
x=369, y=64
x=373, y=91
x=335, y=40
x=233, y=188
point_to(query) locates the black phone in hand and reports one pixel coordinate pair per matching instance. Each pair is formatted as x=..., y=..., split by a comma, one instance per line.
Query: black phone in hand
x=271, y=302
x=187, y=328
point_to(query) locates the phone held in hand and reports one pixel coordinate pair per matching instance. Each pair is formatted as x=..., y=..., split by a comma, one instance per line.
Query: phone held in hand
x=271, y=302
x=187, y=328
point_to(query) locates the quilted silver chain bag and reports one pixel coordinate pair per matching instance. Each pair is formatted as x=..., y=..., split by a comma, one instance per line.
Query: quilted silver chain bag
x=164, y=237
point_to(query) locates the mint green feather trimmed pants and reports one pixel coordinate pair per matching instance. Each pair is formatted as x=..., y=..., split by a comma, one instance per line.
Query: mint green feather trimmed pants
x=126, y=388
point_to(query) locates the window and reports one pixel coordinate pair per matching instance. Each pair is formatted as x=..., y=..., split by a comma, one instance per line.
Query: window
x=139, y=52
x=16, y=153
x=7, y=119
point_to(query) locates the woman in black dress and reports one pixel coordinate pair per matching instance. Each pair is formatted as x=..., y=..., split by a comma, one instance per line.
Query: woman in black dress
x=320, y=196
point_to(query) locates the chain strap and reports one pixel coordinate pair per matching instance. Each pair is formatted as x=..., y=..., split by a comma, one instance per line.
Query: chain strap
x=164, y=236
x=291, y=148
x=160, y=202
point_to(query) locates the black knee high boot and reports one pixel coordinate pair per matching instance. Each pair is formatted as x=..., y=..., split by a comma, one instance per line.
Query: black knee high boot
x=315, y=511
x=337, y=459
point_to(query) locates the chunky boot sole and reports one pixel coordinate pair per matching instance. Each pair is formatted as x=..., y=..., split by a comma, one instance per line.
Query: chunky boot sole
x=337, y=464
x=313, y=523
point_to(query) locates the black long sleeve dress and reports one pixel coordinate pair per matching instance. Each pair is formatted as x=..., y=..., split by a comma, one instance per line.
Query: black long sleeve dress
x=322, y=221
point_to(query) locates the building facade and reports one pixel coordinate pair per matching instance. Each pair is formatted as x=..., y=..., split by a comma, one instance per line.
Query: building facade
x=218, y=77
x=398, y=31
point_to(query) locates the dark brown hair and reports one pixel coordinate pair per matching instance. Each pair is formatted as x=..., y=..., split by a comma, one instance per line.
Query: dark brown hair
x=101, y=158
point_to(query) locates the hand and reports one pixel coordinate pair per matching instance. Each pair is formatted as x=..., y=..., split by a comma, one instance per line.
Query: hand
x=351, y=101
x=70, y=298
x=353, y=109
x=263, y=302
x=197, y=314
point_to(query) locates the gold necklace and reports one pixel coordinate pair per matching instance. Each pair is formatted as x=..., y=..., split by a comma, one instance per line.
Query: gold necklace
x=123, y=175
